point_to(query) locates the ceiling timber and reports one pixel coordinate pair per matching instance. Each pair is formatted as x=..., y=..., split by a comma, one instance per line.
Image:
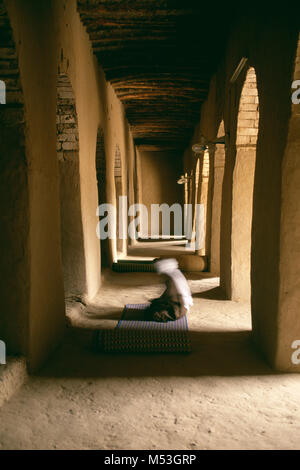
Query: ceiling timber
x=159, y=55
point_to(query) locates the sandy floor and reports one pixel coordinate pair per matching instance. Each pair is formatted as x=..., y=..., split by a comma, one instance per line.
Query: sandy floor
x=221, y=396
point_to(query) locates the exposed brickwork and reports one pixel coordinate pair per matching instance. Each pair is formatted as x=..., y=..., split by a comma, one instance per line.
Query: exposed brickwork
x=117, y=168
x=219, y=155
x=205, y=169
x=101, y=183
x=9, y=70
x=220, y=159
x=248, y=116
x=66, y=121
x=101, y=166
x=12, y=113
x=151, y=57
x=119, y=190
x=14, y=200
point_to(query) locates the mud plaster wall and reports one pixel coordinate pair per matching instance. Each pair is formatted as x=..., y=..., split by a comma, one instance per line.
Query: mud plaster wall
x=50, y=37
x=289, y=298
x=97, y=105
x=159, y=174
x=31, y=26
x=266, y=43
x=116, y=132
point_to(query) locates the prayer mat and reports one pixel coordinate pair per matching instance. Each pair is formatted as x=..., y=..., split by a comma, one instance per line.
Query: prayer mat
x=128, y=266
x=134, y=333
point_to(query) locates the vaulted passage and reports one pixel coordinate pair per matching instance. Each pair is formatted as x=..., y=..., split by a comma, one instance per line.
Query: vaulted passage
x=131, y=132
x=150, y=54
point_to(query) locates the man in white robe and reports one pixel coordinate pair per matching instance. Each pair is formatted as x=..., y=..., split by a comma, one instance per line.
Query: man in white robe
x=176, y=300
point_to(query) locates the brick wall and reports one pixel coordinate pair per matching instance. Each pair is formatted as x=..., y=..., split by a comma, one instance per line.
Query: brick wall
x=247, y=128
x=14, y=198
x=9, y=70
x=119, y=191
x=101, y=183
x=117, y=168
x=205, y=170
x=101, y=166
x=66, y=121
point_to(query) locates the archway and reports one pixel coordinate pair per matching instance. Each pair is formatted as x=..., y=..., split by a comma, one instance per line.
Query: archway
x=72, y=247
x=242, y=195
x=217, y=186
x=14, y=199
x=205, y=202
x=194, y=194
x=101, y=184
x=201, y=181
x=119, y=192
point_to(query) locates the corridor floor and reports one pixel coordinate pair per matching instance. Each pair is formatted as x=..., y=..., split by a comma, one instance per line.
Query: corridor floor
x=221, y=396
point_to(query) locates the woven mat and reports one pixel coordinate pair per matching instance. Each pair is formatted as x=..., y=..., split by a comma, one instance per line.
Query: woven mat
x=133, y=267
x=136, y=334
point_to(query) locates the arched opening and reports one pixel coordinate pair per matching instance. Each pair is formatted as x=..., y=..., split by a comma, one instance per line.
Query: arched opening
x=194, y=194
x=218, y=164
x=72, y=248
x=188, y=216
x=197, y=181
x=119, y=192
x=205, y=202
x=242, y=195
x=14, y=199
x=201, y=199
x=101, y=184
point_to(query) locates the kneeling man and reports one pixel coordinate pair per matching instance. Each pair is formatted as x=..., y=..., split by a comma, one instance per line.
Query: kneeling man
x=176, y=300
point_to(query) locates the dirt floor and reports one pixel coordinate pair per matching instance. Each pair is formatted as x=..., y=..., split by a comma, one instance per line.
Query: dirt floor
x=221, y=396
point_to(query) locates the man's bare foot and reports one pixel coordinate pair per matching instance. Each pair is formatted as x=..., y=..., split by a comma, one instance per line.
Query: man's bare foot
x=162, y=316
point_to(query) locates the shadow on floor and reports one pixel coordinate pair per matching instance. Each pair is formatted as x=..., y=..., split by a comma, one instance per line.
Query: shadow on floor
x=146, y=278
x=103, y=313
x=214, y=353
x=211, y=294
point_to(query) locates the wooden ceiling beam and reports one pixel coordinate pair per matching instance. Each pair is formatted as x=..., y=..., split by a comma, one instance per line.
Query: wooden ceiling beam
x=159, y=59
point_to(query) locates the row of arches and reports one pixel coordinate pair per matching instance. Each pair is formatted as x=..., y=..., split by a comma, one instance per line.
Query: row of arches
x=72, y=241
x=209, y=188
x=263, y=165
x=253, y=232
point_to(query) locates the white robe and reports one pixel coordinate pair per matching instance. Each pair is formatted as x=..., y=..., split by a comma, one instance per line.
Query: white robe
x=177, y=285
